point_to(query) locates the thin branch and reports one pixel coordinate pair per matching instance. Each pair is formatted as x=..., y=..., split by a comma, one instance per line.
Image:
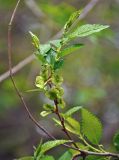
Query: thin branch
x=63, y=123
x=30, y=58
x=11, y=75
x=87, y=153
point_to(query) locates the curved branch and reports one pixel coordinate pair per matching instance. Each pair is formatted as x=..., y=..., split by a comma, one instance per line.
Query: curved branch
x=11, y=75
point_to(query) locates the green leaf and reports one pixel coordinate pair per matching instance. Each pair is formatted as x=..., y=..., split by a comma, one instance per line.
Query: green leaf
x=40, y=82
x=74, y=126
x=91, y=126
x=71, y=20
x=71, y=125
x=72, y=111
x=116, y=141
x=70, y=49
x=57, y=79
x=45, y=113
x=37, y=151
x=51, y=144
x=50, y=58
x=47, y=158
x=52, y=93
x=35, y=40
x=44, y=48
x=26, y=158
x=58, y=64
x=48, y=107
x=56, y=43
x=66, y=156
x=86, y=30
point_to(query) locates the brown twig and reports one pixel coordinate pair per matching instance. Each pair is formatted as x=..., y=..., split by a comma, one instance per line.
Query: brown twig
x=30, y=58
x=63, y=123
x=11, y=75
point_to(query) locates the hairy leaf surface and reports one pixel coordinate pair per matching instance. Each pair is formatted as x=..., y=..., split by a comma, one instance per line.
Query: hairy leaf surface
x=91, y=126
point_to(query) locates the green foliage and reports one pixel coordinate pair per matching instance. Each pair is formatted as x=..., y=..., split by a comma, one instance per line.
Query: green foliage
x=72, y=111
x=71, y=125
x=40, y=83
x=45, y=113
x=89, y=130
x=70, y=49
x=86, y=30
x=70, y=21
x=35, y=40
x=51, y=144
x=66, y=156
x=91, y=126
x=47, y=158
x=116, y=141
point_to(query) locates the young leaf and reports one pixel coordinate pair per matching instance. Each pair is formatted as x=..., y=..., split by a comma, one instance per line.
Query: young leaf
x=74, y=125
x=70, y=49
x=52, y=93
x=71, y=20
x=48, y=107
x=72, y=111
x=66, y=156
x=86, y=30
x=91, y=126
x=37, y=150
x=58, y=64
x=44, y=48
x=35, y=40
x=71, y=125
x=45, y=113
x=56, y=43
x=116, y=141
x=40, y=82
x=50, y=57
x=51, y=144
x=47, y=158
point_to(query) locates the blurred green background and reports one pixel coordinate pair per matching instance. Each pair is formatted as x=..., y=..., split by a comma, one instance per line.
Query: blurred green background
x=91, y=75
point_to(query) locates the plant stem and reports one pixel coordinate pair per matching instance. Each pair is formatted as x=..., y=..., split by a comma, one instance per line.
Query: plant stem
x=62, y=123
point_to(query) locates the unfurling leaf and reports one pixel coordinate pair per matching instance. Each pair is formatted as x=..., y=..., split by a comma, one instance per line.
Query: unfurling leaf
x=40, y=82
x=57, y=79
x=45, y=113
x=48, y=107
x=71, y=20
x=91, y=126
x=71, y=125
x=52, y=93
x=70, y=49
x=86, y=30
x=66, y=156
x=116, y=141
x=51, y=144
x=58, y=64
x=35, y=40
x=72, y=111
